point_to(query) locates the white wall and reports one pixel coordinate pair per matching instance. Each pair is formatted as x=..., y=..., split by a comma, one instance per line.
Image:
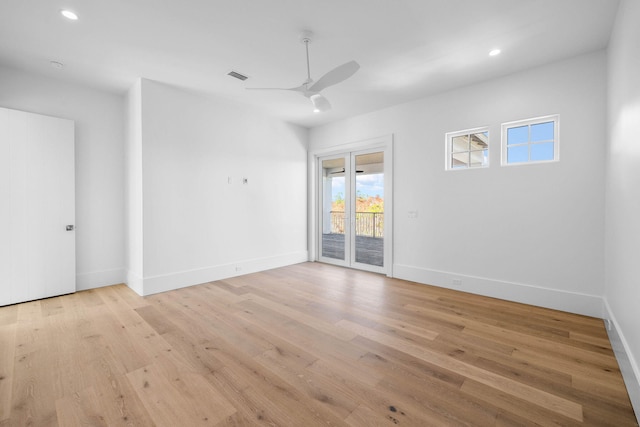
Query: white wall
x=196, y=226
x=133, y=189
x=99, y=166
x=622, y=293
x=532, y=233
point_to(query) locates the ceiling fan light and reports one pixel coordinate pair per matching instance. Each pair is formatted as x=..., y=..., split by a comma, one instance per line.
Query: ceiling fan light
x=320, y=103
x=314, y=100
x=69, y=14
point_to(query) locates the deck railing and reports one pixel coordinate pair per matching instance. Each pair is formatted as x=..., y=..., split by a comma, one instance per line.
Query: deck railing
x=369, y=224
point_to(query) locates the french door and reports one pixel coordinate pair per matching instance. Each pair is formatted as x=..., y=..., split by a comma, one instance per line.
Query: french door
x=351, y=217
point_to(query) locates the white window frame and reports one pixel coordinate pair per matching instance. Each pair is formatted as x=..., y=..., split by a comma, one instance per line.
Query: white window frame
x=449, y=147
x=555, y=118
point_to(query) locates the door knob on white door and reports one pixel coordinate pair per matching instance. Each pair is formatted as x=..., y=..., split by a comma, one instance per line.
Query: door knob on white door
x=70, y=227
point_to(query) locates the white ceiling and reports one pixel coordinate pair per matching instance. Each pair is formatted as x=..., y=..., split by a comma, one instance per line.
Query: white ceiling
x=407, y=49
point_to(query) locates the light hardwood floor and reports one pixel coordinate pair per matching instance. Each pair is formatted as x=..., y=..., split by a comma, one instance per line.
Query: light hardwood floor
x=305, y=345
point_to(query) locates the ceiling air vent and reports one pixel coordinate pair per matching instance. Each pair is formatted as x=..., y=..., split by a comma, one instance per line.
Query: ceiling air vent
x=237, y=75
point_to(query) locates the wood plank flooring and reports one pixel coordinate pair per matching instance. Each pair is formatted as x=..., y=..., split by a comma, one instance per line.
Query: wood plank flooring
x=369, y=250
x=305, y=345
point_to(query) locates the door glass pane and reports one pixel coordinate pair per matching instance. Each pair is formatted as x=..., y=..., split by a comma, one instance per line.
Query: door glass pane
x=369, y=209
x=333, y=208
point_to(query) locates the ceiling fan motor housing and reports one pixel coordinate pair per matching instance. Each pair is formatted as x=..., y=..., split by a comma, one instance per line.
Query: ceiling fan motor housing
x=306, y=36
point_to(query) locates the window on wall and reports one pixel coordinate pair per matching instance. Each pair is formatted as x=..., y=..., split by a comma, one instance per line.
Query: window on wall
x=530, y=141
x=467, y=149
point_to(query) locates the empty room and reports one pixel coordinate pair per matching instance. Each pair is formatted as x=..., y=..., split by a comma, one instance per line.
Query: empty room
x=301, y=213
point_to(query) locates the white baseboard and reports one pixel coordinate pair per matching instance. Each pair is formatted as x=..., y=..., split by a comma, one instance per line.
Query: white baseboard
x=134, y=281
x=182, y=279
x=98, y=279
x=628, y=365
x=572, y=302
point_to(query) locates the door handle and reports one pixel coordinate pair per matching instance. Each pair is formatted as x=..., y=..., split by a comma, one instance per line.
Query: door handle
x=70, y=227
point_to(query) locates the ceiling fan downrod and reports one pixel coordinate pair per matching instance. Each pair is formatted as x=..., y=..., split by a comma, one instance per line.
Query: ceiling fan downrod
x=305, y=38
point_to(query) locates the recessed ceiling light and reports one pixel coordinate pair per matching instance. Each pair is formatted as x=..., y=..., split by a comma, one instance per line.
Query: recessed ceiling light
x=495, y=52
x=69, y=15
x=57, y=65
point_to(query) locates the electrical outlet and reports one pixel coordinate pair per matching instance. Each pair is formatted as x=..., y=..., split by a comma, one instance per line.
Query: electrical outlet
x=607, y=324
x=457, y=282
x=238, y=268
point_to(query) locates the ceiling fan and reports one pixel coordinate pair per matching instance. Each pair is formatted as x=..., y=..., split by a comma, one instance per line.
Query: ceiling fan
x=343, y=171
x=310, y=88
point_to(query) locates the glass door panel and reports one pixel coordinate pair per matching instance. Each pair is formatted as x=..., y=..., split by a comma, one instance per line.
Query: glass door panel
x=335, y=208
x=368, y=209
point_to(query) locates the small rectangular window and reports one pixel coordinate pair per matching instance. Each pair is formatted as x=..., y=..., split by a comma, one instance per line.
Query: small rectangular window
x=467, y=149
x=530, y=141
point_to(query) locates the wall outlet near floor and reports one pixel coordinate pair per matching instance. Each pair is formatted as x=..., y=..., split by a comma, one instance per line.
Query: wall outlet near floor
x=456, y=282
x=607, y=324
x=238, y=268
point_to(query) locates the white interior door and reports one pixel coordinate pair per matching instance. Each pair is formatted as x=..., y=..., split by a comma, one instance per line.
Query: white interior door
x=37, y=189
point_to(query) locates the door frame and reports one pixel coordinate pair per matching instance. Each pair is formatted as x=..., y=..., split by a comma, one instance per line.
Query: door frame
x=382, y=143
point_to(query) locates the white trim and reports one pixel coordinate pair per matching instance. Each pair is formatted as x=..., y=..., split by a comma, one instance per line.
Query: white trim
x=383, y=143
x=628, y=365
x=573, y=302
x=555, y=118
x=135, y=282
x=448, y=147
x=183, y=279
x=98, y=279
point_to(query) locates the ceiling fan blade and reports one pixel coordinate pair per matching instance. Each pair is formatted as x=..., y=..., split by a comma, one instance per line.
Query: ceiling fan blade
x=335, y=76
x=343, y=171
x=320, y=103
x=295, y=89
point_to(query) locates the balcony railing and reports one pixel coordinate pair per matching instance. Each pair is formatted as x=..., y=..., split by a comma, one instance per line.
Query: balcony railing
x=369, y=224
